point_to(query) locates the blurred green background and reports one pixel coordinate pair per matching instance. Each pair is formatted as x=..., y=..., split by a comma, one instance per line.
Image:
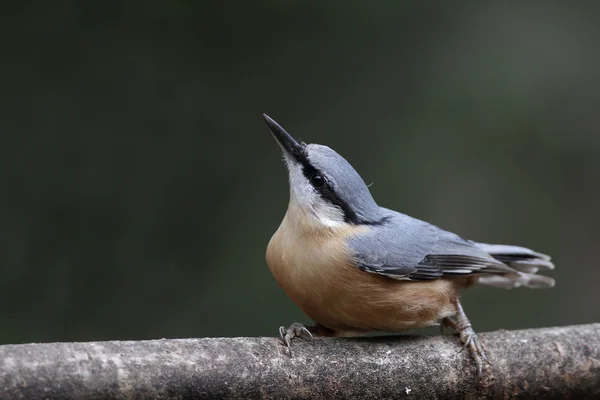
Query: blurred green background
x=140, y=185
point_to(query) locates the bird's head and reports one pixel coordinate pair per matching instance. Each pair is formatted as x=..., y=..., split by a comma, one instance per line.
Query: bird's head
x=326, y=188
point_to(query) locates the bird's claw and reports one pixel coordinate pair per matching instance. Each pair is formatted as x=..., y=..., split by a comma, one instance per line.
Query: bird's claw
x=295, y=330
x=469, y=339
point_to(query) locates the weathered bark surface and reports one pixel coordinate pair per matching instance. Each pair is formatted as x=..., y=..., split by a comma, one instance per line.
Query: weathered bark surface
x=542, y=363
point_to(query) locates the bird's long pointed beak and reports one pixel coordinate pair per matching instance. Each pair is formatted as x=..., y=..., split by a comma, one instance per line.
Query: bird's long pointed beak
x=287, y=143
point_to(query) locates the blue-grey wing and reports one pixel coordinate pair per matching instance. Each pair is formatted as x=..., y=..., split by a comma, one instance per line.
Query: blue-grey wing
x=402, y=247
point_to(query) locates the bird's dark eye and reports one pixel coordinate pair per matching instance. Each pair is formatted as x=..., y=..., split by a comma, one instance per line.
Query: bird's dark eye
x=317, y=180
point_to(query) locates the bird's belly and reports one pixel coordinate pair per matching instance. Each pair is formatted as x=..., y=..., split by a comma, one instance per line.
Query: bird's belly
x=334, y=293
x=373, y=302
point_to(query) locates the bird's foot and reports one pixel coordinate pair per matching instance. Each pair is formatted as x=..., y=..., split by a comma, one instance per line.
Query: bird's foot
x=469, y=339
x=295, y=330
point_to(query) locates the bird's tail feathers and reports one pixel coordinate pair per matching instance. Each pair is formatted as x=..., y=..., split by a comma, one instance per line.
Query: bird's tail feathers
x=525, y=261
x=519, y=279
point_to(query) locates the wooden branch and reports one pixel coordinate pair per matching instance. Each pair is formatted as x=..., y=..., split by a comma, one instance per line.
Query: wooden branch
x=540, y=363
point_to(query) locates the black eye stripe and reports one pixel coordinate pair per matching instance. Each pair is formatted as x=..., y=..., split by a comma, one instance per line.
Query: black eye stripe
x=327, y=192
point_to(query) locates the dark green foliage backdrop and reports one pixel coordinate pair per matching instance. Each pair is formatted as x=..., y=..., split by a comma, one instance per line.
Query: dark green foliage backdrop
x=140, y=186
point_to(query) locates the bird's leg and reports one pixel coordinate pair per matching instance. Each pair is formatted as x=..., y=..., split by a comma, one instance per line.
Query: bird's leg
x=297, y=330
x=469, y=339
x=447, y=322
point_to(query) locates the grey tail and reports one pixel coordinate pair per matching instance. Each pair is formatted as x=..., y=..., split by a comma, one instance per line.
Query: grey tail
x=524, y=261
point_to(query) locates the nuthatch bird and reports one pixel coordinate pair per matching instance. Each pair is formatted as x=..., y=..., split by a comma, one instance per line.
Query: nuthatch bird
x=354, y=267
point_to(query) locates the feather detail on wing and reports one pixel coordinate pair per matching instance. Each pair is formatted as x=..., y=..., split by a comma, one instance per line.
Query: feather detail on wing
x=409, y=249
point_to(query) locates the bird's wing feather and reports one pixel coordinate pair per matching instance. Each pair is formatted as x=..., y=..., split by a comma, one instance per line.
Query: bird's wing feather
x=403, y=247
